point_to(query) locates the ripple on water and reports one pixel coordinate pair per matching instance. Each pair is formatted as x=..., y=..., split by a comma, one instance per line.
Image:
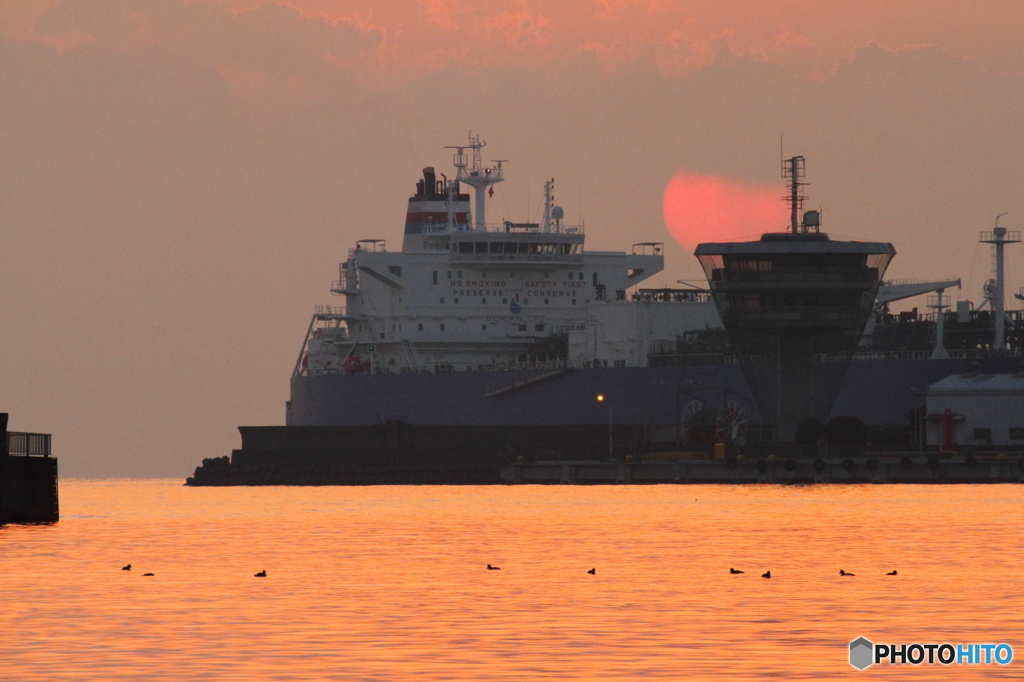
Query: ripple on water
x=390, y=583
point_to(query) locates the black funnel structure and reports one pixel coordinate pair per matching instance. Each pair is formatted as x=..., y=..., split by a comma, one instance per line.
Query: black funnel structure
x=789, y=299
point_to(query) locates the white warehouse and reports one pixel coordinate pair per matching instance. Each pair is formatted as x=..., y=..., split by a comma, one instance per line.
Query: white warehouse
x=983, y=409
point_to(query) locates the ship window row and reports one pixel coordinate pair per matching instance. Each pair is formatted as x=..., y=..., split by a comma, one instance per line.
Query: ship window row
x=483, y=327
x=786, y=261
x=515, y=248
x=458, y=275
x=621, y=296
x=792, y=300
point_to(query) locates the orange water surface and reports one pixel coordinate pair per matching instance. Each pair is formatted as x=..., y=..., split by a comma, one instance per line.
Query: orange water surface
x=390, y=582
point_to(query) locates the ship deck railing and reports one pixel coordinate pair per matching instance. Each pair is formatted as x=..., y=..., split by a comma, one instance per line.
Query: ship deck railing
x=28, y=444
x=404, y=369
x=674, y=359
x=551, y=258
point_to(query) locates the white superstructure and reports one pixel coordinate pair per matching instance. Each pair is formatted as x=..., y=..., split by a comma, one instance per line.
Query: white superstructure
x=465, y=295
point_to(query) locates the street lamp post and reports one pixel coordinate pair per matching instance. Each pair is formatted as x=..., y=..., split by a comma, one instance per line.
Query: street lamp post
x=601, y=398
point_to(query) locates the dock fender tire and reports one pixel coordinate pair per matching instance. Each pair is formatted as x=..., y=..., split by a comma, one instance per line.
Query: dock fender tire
x=971, y=462
x=849, y=464
x=906, y=462
x=819, y=465
x=790, y=464
x=933, y=463
x=872, y=465
x=762, y=466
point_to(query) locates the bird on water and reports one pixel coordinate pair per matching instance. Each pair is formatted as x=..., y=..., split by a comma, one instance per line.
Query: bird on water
x=146, y=574
x=893, y=573
x=126, y=568
x=842, y=572
x=592, y=571
x=766, y=574
x=493, y=568
x=261, y=574
x=734, y=571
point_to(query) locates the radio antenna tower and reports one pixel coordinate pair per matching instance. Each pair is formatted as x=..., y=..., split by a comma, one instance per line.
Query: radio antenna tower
x=793, y=169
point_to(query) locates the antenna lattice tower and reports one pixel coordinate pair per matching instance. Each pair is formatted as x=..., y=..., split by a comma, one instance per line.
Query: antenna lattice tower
x=794, y=170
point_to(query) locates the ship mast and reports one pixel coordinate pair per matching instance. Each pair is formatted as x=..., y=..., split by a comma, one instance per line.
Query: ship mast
x=999, y=237
x=477, y=176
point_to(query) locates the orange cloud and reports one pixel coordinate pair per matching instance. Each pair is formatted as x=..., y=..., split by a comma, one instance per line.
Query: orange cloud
x=269, y=49
x=679, y=54
x=440, y=12
x=704, y=208
x=389, y=41
x=517, y=28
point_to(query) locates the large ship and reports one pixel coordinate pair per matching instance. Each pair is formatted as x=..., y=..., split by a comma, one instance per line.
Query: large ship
x=481, y=343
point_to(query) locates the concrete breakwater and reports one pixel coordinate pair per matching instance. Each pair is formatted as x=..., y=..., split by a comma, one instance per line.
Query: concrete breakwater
x=403, y=454
x=867, y=468
x=395, y=454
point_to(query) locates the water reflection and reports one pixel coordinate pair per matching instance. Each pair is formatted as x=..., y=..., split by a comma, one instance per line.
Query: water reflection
x=390, y=583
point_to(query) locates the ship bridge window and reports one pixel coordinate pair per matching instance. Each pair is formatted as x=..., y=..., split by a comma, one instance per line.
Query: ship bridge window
x=747, y=264
x=511, y=247
x=566, y=248
x=481, y=247
x=497, y=247
x=465, y=247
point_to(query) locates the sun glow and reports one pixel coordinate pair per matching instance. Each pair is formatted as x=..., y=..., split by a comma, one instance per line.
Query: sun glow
x=704, y=208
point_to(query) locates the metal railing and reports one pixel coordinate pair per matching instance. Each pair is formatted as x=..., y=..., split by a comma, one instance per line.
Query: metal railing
x=673, y=359
x=28, y=444
x=328, y=310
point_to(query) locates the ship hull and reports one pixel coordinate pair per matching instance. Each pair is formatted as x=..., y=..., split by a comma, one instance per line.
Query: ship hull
x=462, y=428
x=879, y=392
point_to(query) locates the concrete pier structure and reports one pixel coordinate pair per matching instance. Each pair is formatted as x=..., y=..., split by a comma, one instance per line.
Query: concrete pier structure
x=28, y=477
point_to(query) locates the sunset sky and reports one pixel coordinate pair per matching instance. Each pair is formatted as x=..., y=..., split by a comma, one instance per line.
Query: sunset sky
x=179, y=179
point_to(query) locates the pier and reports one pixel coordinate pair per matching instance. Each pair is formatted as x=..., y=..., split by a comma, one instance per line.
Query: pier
x=28, y=477
x=867, y=468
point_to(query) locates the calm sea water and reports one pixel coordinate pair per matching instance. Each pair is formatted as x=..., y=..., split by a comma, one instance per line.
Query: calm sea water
x=390, y=583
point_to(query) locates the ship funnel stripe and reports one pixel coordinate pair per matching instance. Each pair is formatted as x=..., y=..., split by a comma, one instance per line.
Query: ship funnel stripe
x=421, y=206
